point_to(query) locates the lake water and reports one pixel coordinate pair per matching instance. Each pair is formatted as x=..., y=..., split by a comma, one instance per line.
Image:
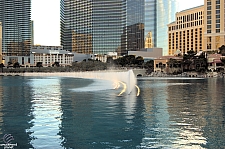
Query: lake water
x=57, y=112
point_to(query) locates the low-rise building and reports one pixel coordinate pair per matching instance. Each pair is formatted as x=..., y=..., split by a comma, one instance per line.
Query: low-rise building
x=161, y=64
x=148, y=53
x=214, y=62
x=48, y=55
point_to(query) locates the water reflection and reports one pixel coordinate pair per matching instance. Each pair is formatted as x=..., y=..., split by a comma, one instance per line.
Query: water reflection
x=46, y=101
x=169, y=113
x=193, y=110
x=157, y=132
x=101, y=119
x=15, y=110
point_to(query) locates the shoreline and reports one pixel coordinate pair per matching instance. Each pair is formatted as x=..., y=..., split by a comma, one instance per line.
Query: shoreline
x=189, y=75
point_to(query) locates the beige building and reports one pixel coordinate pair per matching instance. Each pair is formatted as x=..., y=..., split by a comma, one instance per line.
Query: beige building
x=214, y=35
x=161, y=64
x=149, y=41
x=1, y=42
x=186, y=33
x=48, y=55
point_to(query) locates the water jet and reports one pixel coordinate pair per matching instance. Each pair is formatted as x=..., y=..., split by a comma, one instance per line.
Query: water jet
x=127, y=77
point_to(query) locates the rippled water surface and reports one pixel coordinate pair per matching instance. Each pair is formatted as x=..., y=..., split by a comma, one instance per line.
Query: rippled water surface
x=57, y=112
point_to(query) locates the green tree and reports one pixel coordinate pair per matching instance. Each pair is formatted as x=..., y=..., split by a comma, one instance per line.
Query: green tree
x=39, y=64
x=222, y=50
x=188, y=61
x=1, y=66
x=139, y=60
x=174, y=65
x=149, y=66
x=55, y=64
x=16, y=65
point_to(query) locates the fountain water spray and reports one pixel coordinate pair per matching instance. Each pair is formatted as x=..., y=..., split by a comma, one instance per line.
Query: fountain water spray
x=126, y=77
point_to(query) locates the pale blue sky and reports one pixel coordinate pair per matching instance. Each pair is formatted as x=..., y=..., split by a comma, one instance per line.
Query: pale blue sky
x=46, y=17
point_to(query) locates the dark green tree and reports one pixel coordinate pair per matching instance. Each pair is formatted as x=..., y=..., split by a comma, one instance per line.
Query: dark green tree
x=139, y=60
x=222, y=50
x=39, y=64
x=1, y=66
x=16, y=65
x=149, y=66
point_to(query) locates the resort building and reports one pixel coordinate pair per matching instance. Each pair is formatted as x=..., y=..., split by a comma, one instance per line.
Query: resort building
x=161, y=64
x=48, y=55
x=99, y=27
x=15, y=16
x=186, y=33
x=214, y=35
x=214, y=62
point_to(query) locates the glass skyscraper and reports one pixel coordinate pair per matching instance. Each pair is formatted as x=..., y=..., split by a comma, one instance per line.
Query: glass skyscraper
x=166, y=10
x=92, y=26
x=15, y=16
x=100, y=26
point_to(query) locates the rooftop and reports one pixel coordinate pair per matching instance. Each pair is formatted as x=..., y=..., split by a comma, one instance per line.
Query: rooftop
x=191, y=8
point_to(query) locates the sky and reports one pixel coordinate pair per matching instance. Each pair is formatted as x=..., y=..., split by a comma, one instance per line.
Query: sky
x=46, y=17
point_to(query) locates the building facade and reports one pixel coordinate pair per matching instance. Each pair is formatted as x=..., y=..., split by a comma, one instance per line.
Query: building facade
x=16, y=33
x=186, y=33
x=1, y=43
x=48, y=55
x=165, y=14
x=92, y=26
x=118, y=26
x=214, y=34
x=148, y=53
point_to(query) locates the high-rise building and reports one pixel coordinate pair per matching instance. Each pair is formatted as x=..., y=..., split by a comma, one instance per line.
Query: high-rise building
x=199, y=29
x=214, y=24
x=16, y=33
x=32, y=32
x=108, y=26
x=0, y=42
x=92, y=26
x=186, y=33
x=166, y=10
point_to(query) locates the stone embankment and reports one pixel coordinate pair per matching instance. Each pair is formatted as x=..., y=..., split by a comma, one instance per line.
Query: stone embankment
x=189, y=74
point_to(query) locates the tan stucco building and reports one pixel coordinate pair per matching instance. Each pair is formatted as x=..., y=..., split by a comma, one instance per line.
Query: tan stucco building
x=186, y=33
x=214, y=35
x=160, y=64
x=198, y=28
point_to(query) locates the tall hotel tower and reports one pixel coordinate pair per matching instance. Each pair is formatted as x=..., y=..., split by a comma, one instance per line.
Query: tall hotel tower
x=92, y=26
x=16, y=33
x=100, y=26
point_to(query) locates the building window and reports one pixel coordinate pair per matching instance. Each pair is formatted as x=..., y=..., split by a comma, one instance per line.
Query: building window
x=217, y=11
x=217, y=25
x=208, y=46
x=217, y=1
